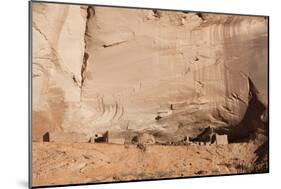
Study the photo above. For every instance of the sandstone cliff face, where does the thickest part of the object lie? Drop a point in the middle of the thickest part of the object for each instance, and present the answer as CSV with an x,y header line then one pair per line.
x,y
167,73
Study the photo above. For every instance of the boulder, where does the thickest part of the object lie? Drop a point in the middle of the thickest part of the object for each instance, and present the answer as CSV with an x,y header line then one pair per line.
x,y
143,138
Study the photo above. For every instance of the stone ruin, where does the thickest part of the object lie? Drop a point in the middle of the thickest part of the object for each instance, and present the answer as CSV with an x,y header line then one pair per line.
x,y
99,138
107,137
219,139
206,137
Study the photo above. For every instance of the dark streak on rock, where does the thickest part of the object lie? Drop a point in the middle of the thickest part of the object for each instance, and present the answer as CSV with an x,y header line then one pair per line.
x,y
113,44
201,16
90,14
156,14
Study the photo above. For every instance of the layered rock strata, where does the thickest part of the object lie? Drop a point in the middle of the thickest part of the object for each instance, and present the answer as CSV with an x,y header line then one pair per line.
x,y
170,74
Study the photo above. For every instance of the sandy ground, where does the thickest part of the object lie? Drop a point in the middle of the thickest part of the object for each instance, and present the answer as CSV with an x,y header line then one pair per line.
x,y
58,163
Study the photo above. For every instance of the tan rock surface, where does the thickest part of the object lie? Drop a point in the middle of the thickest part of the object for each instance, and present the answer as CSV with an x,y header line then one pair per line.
x,y
97,68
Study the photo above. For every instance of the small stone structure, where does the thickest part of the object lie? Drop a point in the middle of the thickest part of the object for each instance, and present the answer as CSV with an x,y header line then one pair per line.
x,y
65,137
219,139
205,136
108,137
100,138
209,136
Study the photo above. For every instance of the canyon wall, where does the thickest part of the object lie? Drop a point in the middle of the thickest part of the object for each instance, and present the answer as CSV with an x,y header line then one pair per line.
x,y
168,73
